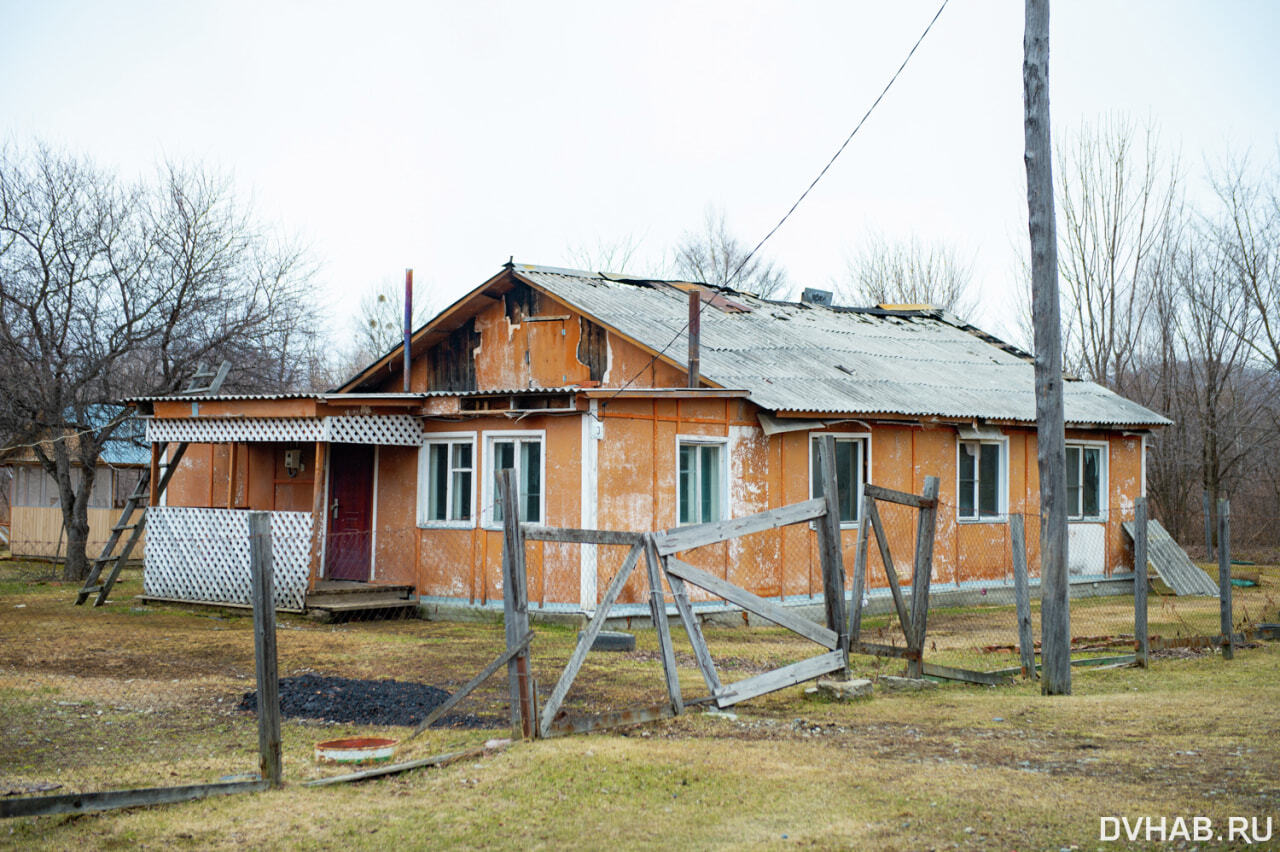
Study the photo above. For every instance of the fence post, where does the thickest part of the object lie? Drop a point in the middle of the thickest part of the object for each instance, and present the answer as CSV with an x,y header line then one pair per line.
x,y
1224,576
515,607
922,572
264,648
1022,597
859,573
1141,635
829,547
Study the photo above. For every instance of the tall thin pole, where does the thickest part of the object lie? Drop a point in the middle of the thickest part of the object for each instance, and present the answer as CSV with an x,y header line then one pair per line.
x,y
1055,617
408,324
695,337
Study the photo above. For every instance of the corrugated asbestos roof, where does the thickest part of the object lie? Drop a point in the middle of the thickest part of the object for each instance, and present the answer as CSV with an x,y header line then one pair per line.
x,y
800,357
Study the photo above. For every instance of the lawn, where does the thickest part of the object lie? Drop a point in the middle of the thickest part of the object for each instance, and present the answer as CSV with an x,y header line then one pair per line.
x,y
127,695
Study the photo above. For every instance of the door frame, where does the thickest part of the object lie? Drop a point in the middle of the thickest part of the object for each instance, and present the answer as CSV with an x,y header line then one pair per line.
x,y
373,514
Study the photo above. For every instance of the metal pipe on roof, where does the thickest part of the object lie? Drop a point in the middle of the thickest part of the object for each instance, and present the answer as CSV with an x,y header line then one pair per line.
x,y
408,323
695,334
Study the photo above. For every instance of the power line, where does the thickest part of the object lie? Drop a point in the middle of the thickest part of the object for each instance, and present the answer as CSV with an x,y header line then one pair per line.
x,y
802,197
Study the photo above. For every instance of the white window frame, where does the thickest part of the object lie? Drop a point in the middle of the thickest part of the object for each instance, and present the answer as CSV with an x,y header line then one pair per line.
x,y
489,493
1104,467
1002,490
705,441
424,479
865,438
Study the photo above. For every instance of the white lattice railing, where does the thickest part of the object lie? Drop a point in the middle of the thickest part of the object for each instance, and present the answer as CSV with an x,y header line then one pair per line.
x,y
400,430
203,555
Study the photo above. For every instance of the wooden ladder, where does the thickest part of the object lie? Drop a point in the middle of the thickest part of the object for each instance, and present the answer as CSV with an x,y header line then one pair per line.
x,y
140,494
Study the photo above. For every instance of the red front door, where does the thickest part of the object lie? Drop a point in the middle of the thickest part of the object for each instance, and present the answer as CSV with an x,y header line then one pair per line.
x,y
347,548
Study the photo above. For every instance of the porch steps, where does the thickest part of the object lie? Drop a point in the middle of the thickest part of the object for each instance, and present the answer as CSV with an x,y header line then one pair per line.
x,y
347,599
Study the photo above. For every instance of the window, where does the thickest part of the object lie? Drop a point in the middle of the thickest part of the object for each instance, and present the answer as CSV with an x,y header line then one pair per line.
x,y
701,482
852,468
982,480
522,454
446,469
1085,463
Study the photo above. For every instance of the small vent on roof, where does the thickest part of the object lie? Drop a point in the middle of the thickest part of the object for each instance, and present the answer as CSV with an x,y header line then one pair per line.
x,y
812,296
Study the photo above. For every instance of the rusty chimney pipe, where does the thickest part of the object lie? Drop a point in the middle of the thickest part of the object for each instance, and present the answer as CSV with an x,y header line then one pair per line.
x,y
408,324
695,335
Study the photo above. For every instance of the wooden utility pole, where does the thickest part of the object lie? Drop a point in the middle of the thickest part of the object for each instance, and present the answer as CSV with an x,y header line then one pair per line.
x,y
1055,616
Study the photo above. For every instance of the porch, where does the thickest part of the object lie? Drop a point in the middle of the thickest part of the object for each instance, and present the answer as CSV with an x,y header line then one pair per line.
x,y
316,477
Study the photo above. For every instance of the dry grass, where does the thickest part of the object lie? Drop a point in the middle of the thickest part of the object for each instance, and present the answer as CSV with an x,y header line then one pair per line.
x,y
964,766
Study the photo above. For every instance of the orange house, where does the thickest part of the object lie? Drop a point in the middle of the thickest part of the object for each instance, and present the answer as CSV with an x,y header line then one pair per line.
x,y
578,383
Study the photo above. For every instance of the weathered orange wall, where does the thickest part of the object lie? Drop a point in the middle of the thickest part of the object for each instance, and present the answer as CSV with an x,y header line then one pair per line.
x,y
261,481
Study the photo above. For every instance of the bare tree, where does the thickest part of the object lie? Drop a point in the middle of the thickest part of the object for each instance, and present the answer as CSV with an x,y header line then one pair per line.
x,y
378,326
1116,194
111,289
615,255
715,256
911,271
1248,233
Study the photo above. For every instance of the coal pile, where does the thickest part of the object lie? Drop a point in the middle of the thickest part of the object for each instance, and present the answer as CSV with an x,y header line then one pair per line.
x,y
366,702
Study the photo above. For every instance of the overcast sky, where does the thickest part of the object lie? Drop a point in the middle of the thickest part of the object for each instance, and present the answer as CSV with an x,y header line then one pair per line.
x,y
449,136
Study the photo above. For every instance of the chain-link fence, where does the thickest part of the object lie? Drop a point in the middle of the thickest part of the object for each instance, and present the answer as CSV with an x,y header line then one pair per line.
x,y
122,696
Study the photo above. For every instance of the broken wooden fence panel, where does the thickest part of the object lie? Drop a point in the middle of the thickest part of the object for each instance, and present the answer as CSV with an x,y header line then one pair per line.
x,y
780,678
700,535
700,651
589,635
658,611
922,570
904,620
753,603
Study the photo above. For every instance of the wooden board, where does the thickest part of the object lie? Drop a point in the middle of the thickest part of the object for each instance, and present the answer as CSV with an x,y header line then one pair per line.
x,y
700,535
753,603
535,532
79,803
776,679
900,497
1172,563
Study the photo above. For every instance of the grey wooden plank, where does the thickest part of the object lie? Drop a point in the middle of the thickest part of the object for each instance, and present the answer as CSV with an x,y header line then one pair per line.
x,y
508,499
395,768
904,620
1141,633
965,675
1171,562
694,630
658,612
922,570
264,646
859,576
72,803
588,637
829,551
618,719
878,650
1022,597
485,673
537,532
754,603
1224,576
700,535
780,678
903,498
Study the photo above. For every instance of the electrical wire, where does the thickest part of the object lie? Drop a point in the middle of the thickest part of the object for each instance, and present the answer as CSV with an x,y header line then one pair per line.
x,y
737,270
